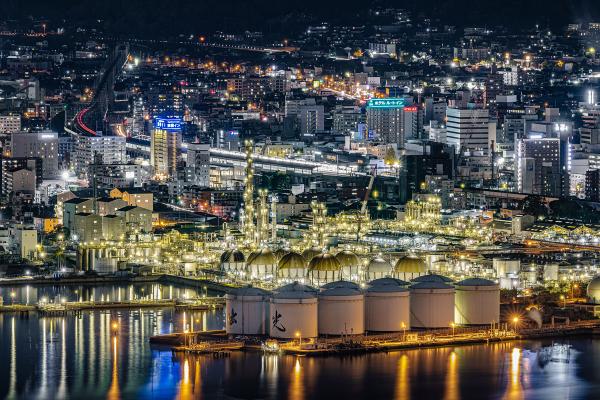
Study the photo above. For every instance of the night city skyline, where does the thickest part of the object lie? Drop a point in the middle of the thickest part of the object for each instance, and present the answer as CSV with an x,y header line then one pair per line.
x,y
299,200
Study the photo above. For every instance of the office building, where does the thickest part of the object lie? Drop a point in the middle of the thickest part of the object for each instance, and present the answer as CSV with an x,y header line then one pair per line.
x,y
467,128
42,145
165,147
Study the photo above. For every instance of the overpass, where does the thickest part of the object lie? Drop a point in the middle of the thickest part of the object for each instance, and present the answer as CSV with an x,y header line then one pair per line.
x,y
227,158
95,117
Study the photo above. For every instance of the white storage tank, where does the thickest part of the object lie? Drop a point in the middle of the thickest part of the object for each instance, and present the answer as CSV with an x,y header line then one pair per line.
x,y
341,311
292,267
477,302
233,262
431,305
262,265
432,278
246,311
409,267
351,267
506,266
551,272
324,268
387,306
293,312
378,268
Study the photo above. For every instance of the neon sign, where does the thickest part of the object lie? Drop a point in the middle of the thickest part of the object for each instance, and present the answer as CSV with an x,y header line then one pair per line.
x,y
386,103
168,124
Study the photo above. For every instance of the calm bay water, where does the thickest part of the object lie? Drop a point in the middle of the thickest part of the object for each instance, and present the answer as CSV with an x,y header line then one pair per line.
x,y
79,357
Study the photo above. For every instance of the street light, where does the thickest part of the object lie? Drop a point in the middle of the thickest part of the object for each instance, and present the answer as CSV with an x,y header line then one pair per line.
x,y
452,325
115,328
299,336
12,297
562,297
515,321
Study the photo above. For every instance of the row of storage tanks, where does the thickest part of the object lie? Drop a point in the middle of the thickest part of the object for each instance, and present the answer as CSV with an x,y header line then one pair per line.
x,y
316,267
343,308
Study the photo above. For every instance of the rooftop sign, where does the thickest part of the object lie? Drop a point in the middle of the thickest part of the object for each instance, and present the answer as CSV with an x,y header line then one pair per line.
x,y
386,103
168,124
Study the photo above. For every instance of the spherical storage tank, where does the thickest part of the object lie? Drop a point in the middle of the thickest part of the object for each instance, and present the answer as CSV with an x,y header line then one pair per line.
x,y
387,306
477,302
593,290
409,267
233,262
350,265
431,305
292,267
262,264
293,311
246,311
341,311
324,268
378,268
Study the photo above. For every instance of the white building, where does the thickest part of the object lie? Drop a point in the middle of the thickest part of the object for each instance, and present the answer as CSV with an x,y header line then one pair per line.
x,y
467,128
100,149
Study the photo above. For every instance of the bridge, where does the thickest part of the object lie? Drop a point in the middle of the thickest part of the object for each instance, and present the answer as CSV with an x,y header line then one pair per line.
x,y
95,117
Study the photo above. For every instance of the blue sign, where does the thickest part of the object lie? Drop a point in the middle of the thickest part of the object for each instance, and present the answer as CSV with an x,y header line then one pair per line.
x,y
168,124
386,103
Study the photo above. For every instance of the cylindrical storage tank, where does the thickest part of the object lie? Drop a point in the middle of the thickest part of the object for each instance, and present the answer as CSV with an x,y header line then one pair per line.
x,y
91,259
350,263
476,302
233,262
341,311
551,272
262,264
293,312
506,266
324,268
409,267
378,268
387,306
292,267
593,290
431,305
432,278
340,284
246,311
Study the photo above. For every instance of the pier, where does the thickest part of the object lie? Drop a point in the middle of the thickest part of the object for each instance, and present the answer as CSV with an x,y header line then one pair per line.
x,y
217,342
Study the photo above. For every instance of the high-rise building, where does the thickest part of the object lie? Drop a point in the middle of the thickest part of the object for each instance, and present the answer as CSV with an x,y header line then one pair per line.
x,y
90,149
385,119
165,150
539,166
43,145
467,128
198,164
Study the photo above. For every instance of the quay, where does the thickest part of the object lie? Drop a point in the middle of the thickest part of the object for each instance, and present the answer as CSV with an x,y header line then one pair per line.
x,y
67,307
218,342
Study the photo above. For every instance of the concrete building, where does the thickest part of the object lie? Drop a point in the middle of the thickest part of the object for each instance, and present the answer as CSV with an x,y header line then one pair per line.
x,y
467,128
97,149
109,206
134,197
385,119
73,207
165,151
42,145
10,123
24,241
198,164
539,166
136,218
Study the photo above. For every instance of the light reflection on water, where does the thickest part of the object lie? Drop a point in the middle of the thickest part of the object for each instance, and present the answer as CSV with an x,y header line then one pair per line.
x,y
81,357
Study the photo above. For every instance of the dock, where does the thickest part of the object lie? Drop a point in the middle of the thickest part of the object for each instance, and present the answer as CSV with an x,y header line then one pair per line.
x,y
16,308
207,303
